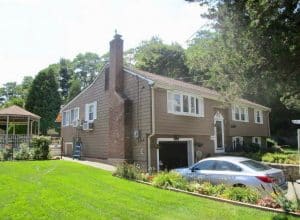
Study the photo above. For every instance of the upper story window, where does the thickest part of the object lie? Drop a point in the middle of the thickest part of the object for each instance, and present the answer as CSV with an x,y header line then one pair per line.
x,y
185,104
74,116
258,116
66,118
240,113
91,111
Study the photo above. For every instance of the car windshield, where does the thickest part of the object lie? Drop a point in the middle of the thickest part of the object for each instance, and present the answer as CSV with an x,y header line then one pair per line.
x,y
255,165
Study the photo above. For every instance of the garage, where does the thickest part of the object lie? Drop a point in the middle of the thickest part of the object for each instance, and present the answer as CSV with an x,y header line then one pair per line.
x,y
174,154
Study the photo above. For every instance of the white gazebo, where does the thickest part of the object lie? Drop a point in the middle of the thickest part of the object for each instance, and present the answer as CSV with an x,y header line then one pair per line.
x,y
15,115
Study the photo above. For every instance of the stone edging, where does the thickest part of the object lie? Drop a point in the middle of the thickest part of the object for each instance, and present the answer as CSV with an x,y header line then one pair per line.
x,y
226,200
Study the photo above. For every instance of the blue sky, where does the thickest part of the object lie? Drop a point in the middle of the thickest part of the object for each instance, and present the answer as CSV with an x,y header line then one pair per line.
x,y
36,33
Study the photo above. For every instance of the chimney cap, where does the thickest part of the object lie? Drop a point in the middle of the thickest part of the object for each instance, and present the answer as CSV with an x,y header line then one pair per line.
x,y
117,36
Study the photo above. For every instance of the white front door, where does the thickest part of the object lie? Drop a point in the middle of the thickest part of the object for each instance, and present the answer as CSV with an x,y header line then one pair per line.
x,y
219,133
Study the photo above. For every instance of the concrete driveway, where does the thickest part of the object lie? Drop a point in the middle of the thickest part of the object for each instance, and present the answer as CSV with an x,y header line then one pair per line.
x,y
293,191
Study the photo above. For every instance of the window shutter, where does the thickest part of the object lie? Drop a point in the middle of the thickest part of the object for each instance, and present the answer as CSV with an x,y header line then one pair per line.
x,y
201,106
261,117
246,114
95,109
86,113
233,112
170,99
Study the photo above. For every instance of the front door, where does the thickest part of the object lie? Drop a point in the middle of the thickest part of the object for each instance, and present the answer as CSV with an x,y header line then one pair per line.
x,y
219,133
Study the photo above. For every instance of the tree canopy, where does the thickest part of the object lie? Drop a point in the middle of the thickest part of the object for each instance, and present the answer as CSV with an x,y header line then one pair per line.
x,y
44,99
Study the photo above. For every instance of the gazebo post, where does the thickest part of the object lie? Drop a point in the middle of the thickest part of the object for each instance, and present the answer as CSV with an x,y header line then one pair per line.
x,y
28,127
39,127
7,121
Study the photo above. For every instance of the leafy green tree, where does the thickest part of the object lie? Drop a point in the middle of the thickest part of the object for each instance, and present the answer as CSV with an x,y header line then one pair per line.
x,y
65,73
26,84
75,89
263,37
157,57
15,101
44,99
86,67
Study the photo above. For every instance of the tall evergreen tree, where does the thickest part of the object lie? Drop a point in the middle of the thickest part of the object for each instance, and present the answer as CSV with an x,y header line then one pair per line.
x,y
65,74
44,99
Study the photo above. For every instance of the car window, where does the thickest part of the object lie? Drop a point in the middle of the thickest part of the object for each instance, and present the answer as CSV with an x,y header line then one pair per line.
x,y
205,165
254,165
224,165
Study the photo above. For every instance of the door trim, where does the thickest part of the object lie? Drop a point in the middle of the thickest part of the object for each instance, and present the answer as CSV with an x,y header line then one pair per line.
x,y
219,117
190,149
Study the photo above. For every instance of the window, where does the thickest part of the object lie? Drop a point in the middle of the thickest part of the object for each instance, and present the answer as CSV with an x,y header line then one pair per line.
x,y
74,116
205,165
258,116
226,166
240,113
66,118
256,140
91,111
237,142
257,166
185,104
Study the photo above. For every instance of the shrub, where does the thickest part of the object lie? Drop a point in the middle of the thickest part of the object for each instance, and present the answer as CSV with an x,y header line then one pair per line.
x,y
241,194
268,201
23,153
287,205
146,177
40,146
128,171
5,154
207,188
170,179
280,158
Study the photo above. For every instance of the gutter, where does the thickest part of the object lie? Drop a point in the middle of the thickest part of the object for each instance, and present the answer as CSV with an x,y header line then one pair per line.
x,y
153,129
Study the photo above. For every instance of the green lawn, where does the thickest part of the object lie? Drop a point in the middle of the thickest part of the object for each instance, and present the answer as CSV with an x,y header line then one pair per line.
x,y
66,190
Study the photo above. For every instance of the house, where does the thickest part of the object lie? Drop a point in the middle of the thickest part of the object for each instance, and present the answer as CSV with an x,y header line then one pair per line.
x,y
155,121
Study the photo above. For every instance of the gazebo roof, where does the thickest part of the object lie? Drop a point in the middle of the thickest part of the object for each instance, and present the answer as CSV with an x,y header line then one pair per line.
x,y
17,111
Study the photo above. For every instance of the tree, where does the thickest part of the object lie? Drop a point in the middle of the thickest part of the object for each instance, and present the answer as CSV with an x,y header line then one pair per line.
x,y
86,67
65,73
254,53
157,57
264,32
75,89
44,99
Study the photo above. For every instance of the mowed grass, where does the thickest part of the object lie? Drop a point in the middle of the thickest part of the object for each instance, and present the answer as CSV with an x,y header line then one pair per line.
x,y
67,190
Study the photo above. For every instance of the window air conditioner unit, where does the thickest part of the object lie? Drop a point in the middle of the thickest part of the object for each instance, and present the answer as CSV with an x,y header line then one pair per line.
x,y
87,126
75,124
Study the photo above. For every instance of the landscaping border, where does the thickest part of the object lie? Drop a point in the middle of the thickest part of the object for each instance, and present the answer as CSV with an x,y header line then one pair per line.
x,y
297,214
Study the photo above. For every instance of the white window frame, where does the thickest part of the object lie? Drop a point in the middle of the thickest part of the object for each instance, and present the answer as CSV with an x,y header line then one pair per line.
x,y
260,115
172,105
66,118
87,112
75,115
239,111
258,140
240,138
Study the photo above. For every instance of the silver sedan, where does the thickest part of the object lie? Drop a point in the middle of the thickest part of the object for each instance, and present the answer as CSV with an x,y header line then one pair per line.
x,y
235,171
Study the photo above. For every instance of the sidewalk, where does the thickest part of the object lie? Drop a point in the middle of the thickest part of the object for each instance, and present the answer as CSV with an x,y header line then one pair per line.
x,y
98,165
293,191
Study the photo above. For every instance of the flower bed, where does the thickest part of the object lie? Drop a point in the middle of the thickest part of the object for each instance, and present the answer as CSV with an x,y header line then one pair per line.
x,y
240,195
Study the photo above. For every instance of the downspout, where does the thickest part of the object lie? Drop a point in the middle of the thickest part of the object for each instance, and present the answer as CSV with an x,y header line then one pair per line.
x,y
153,128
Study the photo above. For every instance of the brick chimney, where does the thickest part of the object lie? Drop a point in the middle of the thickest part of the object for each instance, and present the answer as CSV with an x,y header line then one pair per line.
x,y
119,106
116,64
